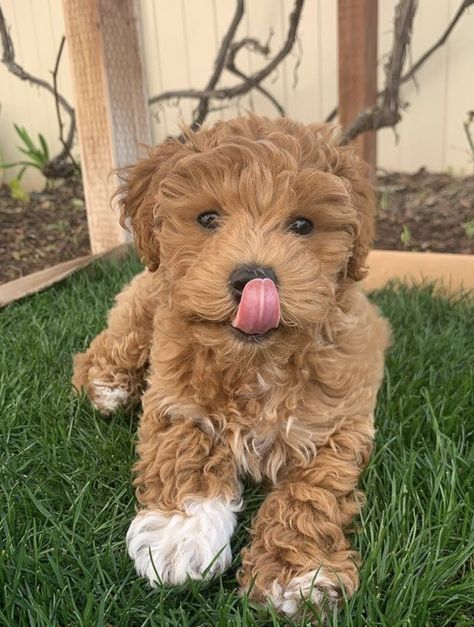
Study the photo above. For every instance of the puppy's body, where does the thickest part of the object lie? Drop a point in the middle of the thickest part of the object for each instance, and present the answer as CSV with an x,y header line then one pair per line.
x,y
292,406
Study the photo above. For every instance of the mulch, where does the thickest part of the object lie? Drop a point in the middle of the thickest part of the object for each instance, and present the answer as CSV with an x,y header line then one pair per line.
x,y
419,212
48,228
425,212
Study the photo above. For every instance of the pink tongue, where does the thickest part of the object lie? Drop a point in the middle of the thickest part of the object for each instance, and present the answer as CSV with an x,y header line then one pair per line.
x,y
259,309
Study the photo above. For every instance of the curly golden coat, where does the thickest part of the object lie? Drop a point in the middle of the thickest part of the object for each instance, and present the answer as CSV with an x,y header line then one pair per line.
x,y
293,408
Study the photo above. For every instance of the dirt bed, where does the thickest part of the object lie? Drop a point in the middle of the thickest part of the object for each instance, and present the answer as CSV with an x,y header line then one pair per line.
x,y
425,212
49,228
422,212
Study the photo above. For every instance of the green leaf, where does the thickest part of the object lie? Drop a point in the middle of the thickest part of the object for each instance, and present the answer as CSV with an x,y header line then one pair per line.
x,y
44,146
406,235
22,132
469,228
17,163
4,166
28,153
34,156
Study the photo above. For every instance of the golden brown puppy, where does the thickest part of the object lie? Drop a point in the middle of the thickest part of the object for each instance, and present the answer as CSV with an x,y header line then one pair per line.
x,y
261,355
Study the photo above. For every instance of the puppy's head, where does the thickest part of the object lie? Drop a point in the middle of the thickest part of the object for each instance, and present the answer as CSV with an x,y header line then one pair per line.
x,y
257,226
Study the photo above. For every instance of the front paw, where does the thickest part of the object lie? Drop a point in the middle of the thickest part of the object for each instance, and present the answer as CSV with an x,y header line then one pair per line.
x,y
268,579
315,586
168,548
107,398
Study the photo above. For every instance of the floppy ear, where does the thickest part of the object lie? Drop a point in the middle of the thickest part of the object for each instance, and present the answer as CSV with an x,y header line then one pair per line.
x,y
364,203
137,199
326,151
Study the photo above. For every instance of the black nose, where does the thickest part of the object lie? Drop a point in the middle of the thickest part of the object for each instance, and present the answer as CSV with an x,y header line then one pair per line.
x,y
243,274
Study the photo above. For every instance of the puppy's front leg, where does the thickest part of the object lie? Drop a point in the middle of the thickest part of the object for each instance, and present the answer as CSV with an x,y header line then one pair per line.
x,y
188,488
299,549
112,370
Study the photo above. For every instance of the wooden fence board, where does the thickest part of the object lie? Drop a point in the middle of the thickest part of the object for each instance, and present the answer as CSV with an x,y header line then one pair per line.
x,y
357,44
111,108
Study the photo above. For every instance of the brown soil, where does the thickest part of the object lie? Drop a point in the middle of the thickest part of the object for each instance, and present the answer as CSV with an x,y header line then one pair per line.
x,y
422,211
51,227
425,212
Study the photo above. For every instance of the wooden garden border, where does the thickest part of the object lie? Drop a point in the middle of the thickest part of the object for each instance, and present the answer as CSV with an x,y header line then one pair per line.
x,y
453,272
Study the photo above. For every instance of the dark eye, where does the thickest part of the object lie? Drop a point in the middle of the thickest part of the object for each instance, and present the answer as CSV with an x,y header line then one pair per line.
x,y
209,220
301,226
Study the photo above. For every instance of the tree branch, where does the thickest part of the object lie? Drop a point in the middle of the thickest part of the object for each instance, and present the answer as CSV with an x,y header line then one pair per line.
x,y
219,65
255,46
210,92
386,111
8,59
440,42
57,166
424,57
467,129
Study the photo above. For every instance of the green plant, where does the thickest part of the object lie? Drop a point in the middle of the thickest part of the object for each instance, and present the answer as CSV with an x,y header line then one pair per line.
x,y
405,235
469,228
37,155
384,200
16,190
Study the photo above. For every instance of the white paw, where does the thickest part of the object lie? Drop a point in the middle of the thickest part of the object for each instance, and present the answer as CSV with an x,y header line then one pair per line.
x,y
314,585
169,548
106,398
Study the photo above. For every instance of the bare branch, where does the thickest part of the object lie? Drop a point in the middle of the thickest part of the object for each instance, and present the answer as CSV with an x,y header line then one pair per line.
x,y
55,87
255,46
262,90
248,82
386,111
296,67
333,114
58,162
8,58
404,16
467,129
56,167
203,107
424,57
440,42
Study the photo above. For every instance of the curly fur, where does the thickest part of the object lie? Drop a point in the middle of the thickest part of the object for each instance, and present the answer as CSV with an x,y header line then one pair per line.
x,y
295,409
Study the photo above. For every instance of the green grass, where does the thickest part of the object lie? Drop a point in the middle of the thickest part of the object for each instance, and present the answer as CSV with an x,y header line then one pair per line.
x,y
66,498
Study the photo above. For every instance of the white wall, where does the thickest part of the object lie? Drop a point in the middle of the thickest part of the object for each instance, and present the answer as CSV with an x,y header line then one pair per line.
x,y
180,39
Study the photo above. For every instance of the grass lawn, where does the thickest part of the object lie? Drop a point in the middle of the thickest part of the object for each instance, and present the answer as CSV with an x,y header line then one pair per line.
x,y
66,497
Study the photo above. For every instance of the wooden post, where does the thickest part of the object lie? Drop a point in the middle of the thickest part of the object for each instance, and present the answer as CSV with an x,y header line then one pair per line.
x,y
357,44
110,103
